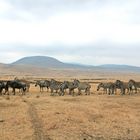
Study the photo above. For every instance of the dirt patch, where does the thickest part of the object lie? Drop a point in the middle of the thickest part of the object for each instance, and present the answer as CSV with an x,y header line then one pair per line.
x,y
86,136
36,123
71,100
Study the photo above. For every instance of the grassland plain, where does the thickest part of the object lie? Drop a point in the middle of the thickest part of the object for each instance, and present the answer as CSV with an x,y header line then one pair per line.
x,y
39,116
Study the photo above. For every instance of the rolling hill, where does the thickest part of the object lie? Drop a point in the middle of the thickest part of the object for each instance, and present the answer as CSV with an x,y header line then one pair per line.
x,y
45,62
50,62
39,61
115,67
43,65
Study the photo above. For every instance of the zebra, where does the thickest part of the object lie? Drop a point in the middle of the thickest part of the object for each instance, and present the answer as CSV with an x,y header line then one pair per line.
x,y
102,85
134,84
42,84
55,85
68,85
47,84
63,88
110,87
82,86
122,86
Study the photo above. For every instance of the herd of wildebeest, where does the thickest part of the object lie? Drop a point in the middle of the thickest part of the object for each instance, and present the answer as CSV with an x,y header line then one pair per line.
x,y
60,88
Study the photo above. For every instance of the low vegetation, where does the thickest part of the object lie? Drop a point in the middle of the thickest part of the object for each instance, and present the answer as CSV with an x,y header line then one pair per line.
x,y
98,116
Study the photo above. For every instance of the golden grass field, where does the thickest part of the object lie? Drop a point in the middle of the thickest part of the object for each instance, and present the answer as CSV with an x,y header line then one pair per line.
x,y
39,116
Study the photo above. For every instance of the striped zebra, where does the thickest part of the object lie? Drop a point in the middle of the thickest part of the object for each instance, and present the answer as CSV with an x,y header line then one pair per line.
x,y
108,88
134,84
123,86
55,85
63,88
42,84
69,85
82,86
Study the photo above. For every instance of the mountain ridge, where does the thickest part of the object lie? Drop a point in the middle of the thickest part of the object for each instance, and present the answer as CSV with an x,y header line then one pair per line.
x,y
44,61
39,65
50,62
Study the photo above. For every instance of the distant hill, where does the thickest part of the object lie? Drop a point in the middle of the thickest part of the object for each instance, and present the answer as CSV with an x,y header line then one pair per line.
x,y
50,62
115,67
41,65
45,62
40,61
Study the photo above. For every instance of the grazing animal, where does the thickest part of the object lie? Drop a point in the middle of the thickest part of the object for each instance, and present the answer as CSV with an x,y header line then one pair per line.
x,y
123,86
47,84
2,86
24,81
16,85
63,88
82,86
108,88
134,84
102,85
55,85
68,85
42,84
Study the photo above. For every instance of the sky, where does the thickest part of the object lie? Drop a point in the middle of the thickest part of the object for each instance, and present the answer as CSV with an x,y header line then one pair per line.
x,y
91,32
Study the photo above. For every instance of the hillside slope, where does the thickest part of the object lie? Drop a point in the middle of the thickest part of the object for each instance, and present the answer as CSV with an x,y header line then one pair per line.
x,y
45,61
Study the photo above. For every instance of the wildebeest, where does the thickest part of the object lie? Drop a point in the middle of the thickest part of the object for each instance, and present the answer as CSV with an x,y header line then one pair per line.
x,y
24,81
42,84
108,88
82,86
123,86
15,85
2,86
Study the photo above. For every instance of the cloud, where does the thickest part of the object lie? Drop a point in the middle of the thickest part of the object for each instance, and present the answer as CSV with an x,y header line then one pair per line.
x,y
87,22
84,31
100,53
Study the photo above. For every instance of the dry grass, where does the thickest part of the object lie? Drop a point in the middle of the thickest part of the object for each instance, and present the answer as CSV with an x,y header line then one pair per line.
x,y
38,116
70,118
17,125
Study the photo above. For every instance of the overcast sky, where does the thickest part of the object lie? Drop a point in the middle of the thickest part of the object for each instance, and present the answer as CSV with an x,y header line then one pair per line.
x,y
82,31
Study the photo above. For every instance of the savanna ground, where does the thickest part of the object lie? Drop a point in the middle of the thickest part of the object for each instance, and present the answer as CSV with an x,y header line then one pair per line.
x,y
39,116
